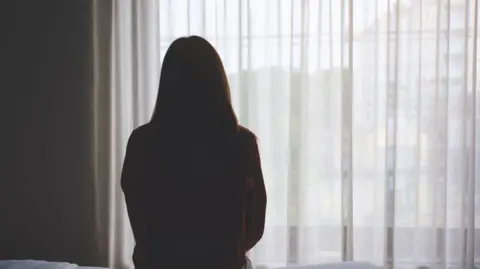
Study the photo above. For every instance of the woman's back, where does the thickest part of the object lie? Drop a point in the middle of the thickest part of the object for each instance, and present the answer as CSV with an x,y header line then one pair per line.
x,y
186,197
187,174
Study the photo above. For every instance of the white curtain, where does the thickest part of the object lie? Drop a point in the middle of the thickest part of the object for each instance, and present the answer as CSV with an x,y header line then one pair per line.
x,y
365,112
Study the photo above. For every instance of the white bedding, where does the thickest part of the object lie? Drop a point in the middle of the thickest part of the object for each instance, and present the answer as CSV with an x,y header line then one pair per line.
x,y
340,265
31,264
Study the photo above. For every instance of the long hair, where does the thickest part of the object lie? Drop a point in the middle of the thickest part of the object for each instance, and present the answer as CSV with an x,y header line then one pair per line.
x,y
193,94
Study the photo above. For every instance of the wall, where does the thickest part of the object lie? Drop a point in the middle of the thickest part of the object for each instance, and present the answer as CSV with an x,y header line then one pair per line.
x,y
46,205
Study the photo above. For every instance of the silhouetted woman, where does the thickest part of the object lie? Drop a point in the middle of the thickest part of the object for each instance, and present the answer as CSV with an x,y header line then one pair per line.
x,y
192,177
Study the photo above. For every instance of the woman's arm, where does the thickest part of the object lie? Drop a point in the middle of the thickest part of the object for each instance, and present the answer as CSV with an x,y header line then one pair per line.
x,y
255,215
130,187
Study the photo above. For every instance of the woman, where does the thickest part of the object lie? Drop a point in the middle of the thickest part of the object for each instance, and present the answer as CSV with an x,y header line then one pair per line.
x,y
192,177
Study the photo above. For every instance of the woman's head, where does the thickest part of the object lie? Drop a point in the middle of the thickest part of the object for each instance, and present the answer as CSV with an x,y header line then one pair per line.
x,y
193,90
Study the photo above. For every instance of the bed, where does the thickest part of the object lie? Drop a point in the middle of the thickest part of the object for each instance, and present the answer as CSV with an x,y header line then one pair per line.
x,y
31,264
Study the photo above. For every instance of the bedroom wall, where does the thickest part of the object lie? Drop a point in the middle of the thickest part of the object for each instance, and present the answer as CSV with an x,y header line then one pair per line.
x,y
46,201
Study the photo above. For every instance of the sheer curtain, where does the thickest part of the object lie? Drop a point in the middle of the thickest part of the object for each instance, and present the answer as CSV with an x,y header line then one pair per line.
x,y
365,112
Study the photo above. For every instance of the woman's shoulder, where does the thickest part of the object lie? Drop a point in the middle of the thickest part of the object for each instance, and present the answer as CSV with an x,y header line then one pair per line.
x,y
247,136
142,129
245,132
139,134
